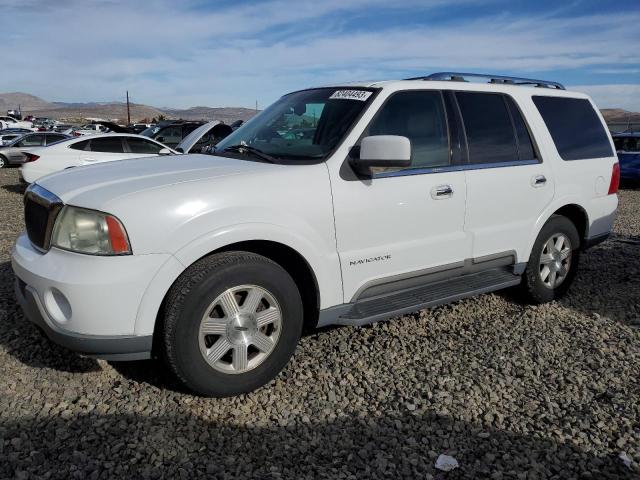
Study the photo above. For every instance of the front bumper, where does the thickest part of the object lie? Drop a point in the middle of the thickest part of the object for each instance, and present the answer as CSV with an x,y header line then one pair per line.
x,y
86,303
110,348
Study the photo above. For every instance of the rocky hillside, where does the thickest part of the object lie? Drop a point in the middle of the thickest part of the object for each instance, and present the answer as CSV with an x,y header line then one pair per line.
x,y
32,105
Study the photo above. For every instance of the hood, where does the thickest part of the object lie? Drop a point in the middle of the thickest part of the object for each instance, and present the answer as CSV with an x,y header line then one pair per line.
x,y
93,185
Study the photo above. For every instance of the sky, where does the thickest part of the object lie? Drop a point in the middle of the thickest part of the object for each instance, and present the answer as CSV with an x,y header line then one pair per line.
x,y
185,53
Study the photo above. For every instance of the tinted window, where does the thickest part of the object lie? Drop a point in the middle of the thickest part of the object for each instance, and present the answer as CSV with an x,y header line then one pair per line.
x,y
420,117
80,145
30,141
107,145
525,146
140,145
575,127
169,135
54,138
490,133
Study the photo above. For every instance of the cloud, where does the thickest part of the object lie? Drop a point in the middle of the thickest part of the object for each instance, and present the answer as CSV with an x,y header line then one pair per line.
x,y
170,53
613,96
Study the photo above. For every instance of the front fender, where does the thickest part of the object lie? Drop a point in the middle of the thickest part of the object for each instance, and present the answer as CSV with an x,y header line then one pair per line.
x,y
324,263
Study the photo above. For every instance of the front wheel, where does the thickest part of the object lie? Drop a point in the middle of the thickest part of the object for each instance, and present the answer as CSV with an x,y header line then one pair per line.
x,y
232,322
553,262
3,162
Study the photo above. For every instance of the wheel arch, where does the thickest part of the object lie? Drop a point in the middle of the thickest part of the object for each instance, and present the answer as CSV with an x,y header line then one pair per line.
x,y
578,216
570,209
294,263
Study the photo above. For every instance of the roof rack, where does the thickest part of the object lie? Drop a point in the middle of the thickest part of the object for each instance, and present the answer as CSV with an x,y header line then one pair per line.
x,y
461,77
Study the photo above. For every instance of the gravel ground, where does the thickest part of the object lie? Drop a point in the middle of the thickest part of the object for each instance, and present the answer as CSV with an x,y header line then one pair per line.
x,y
510,391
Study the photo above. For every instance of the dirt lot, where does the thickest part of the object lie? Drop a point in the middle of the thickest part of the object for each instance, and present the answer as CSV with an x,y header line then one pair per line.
x,y
510,391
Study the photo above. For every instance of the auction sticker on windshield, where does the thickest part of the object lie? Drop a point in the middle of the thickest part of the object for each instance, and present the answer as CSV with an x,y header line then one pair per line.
x,y
361,95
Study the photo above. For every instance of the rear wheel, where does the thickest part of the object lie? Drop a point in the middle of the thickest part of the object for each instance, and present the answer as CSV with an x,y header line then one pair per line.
x,y
232,322
553,262
3,162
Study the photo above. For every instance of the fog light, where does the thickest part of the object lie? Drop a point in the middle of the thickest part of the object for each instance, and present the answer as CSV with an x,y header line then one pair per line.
x,y
57,305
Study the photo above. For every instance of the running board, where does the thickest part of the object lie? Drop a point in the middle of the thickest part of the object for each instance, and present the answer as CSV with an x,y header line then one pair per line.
x,y
437,293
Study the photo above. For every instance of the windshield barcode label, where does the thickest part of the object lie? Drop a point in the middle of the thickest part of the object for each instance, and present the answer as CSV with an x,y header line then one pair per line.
x,y
361,95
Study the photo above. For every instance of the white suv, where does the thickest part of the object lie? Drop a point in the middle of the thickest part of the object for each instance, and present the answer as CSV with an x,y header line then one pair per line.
x,y
336,205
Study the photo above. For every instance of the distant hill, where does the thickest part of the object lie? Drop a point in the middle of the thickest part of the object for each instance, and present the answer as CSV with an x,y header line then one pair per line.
x,y
618,115
78,112
225,114
26,101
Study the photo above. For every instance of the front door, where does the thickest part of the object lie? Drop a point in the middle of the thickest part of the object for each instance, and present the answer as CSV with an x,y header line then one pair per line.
x,y
398,226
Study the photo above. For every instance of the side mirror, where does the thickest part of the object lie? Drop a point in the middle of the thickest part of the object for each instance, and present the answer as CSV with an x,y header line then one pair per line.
x,y
164,151
381,151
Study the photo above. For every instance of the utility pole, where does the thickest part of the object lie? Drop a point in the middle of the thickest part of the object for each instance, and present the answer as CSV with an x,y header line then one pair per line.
x,y
256,106
128,110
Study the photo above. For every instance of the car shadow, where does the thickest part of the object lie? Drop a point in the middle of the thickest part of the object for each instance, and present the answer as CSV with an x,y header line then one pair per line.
x,y
26,343
612,267
187,445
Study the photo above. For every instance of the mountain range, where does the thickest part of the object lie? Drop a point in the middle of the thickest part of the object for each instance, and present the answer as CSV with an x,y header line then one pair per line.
x,y
78,112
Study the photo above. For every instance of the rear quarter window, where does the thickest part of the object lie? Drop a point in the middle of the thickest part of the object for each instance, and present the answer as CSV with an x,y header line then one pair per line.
x,y
575,127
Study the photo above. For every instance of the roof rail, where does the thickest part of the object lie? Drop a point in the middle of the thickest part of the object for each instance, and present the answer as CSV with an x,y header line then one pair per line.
x,y
461,77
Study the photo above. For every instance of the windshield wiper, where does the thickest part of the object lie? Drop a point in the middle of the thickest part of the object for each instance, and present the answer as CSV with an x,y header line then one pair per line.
x,y
240,148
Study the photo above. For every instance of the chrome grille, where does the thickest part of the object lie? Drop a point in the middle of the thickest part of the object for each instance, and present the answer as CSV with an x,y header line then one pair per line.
x,y
40,210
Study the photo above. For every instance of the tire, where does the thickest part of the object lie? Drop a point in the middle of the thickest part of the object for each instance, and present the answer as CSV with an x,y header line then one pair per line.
x,y
198,326
3,162
539,285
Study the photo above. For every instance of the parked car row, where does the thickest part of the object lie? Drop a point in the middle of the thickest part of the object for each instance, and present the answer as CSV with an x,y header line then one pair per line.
x,y
44,153
16,152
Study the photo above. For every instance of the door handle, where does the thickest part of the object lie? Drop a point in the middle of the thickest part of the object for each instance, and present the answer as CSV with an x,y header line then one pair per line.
x,y
441,192
538,180
89,159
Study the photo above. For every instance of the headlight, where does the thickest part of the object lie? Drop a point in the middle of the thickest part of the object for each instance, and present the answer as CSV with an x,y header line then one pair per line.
x,y
89,231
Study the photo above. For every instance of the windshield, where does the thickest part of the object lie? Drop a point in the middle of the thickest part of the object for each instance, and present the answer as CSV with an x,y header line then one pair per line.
x,y
304,125
151,131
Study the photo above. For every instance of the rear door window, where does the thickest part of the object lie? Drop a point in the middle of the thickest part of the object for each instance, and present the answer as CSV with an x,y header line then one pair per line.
x,y
490,132
54,138
107,145
525,145
575,127
80,145
31,141
140,145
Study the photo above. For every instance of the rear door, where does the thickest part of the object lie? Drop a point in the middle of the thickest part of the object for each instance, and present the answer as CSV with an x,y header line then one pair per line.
x,y
508,186
103,149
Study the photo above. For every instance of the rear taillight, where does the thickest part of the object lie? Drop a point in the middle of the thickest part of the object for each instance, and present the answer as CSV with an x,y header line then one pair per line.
x,y
615,179
30,157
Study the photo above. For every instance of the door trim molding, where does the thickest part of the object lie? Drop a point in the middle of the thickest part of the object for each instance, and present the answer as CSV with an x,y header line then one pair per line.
x,y
386,285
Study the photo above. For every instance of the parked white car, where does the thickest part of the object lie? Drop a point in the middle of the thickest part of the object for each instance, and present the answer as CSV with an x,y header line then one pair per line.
x,y
80,151
336,205
10,122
